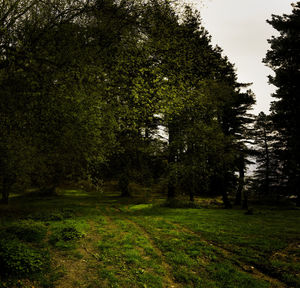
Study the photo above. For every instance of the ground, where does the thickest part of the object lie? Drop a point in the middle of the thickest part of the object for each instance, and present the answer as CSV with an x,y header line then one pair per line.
x,y
102,240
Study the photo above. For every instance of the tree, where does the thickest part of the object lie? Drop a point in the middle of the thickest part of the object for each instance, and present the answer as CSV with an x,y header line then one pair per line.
x,y
264,140
51,95
205,105
95,79
284,59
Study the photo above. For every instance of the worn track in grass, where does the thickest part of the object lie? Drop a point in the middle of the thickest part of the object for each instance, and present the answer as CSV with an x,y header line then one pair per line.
x,y
227,254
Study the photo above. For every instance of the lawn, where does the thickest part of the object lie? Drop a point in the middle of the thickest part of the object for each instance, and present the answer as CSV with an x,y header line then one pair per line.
x,y
89,240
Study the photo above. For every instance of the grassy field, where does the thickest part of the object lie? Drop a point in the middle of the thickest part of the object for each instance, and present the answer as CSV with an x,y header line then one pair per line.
x,y
81,239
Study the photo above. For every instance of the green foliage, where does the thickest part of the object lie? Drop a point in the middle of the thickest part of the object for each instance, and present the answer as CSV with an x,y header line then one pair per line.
x,y
179,203
20,260
64,236
29,231
95,86
54,215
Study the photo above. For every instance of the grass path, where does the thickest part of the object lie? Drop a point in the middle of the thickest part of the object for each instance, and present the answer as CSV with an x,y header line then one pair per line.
x,y
168,280
77,266
168,274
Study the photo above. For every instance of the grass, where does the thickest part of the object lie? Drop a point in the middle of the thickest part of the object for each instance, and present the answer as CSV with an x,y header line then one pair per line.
x,y
85,239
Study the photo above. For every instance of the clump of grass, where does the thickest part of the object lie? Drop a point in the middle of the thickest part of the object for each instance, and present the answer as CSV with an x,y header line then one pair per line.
x,y
20,260
65,236
27,230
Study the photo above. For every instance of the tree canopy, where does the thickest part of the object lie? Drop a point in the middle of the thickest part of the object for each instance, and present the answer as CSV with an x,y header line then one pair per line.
x,y
119,88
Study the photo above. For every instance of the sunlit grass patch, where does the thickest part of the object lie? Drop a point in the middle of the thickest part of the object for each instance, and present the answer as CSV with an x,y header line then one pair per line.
x,y
73,192
140,207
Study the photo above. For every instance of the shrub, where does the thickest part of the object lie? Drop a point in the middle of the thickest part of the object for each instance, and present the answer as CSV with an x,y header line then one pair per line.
x,y
19,260
56,215
62,235
177,203
28,231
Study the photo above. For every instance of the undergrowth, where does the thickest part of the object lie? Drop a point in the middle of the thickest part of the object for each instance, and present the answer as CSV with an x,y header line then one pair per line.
x,y
21,260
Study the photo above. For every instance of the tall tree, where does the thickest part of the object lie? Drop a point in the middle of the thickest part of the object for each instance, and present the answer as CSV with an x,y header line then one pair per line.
x,y
284,59
203,96
50,94
267,171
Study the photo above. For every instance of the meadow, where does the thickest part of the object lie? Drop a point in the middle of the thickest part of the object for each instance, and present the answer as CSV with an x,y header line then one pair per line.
x,y
88,239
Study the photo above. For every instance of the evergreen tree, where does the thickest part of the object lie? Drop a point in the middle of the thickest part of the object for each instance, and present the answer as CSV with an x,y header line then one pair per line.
x,y
206,110
268,173
284,59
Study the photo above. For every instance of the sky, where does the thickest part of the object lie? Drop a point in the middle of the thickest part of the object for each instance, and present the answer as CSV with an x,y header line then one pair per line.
x,y
239,27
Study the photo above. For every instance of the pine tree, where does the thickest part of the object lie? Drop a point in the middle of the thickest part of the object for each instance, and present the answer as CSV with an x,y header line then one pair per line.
x,y
284,59
268,175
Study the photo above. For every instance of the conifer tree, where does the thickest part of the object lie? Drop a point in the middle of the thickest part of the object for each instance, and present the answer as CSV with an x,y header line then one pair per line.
x,y
284,59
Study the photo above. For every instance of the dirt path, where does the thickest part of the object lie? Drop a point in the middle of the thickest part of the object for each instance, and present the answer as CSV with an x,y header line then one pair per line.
x,y
168,279
80,268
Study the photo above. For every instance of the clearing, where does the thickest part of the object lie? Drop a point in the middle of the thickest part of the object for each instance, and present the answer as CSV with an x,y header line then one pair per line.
x,y
101,240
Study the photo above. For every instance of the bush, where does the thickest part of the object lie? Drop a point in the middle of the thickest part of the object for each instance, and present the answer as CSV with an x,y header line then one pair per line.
x,y
91,184
56,215
28,231
62,235
177,203
19,260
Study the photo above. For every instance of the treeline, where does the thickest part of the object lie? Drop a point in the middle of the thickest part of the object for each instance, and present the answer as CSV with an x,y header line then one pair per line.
x,y
278,135
129,90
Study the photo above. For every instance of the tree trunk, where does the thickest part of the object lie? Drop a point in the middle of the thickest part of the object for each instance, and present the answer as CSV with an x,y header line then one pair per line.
x,y
192,195
171,190
298,192
267,172
123,185
191,151
5,195
225,199
49,190
171,160
245,200
223,187
6,187
238,197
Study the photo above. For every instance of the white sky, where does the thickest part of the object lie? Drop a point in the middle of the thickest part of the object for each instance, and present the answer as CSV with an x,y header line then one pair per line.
x,y
239,27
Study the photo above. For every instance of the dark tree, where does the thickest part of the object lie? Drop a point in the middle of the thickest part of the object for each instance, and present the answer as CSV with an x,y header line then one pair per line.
x,y
268,170
284,59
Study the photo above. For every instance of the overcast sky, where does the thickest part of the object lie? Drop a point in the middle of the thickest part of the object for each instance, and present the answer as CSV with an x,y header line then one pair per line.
x,y
239,27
